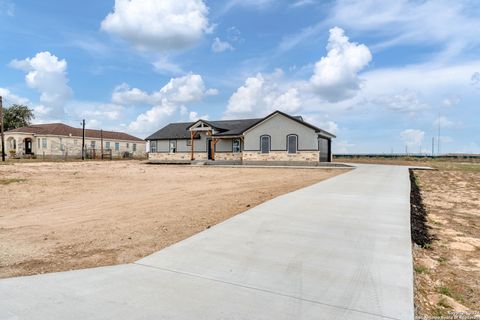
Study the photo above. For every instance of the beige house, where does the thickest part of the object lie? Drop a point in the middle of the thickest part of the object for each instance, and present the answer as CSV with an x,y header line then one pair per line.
x,y
275,139
60,140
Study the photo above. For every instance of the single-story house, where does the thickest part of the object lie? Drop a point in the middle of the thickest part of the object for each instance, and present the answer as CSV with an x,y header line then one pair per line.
x,y
277,138
58,139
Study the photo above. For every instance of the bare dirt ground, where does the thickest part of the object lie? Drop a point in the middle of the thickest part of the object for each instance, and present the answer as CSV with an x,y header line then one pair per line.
x,y
447,270
60,216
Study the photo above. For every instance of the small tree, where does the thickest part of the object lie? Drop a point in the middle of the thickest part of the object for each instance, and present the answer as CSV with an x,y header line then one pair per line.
x,y
17,116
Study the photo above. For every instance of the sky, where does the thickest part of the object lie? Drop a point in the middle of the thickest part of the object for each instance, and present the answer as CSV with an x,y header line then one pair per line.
x,y
383,76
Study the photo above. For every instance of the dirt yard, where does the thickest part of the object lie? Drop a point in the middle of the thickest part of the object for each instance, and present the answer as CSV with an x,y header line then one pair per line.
x,y
447,270
62,216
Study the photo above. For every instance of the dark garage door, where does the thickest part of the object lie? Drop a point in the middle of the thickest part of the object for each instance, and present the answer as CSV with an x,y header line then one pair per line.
x,y
324,147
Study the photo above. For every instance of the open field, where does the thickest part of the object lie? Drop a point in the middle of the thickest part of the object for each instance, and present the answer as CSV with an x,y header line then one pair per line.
x,y
447,271
59,216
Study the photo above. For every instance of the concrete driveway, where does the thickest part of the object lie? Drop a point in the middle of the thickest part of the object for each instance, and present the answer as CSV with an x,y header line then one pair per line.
x,y
339,249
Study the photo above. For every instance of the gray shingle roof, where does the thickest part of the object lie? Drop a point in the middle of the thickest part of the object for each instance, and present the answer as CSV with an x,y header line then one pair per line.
x,y
180,130
225,128
61,129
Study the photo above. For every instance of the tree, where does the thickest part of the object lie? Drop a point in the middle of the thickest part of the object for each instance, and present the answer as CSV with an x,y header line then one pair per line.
x,y
17,116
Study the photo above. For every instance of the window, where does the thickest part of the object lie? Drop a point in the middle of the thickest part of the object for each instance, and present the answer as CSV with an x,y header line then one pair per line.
x,y
92,144
134,147
44,143
153,146
13,144
236,145
62,146
107,145
173,146
75,141
189,142
265,144
128,145
292,143
117,146
38,140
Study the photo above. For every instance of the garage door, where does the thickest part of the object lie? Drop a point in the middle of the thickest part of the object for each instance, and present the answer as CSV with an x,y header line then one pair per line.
x,y
324,147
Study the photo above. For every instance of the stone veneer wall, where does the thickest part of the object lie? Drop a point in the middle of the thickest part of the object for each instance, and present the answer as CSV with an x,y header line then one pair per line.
x,y
308,156
228,156
245,156
178,156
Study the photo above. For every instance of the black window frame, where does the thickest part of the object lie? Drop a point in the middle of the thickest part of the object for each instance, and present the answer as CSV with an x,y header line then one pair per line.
x,y
170,146
153,146
239,145
288,143
269,143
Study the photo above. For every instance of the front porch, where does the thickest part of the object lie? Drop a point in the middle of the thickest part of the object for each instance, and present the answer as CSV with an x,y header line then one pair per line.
x,y
19,146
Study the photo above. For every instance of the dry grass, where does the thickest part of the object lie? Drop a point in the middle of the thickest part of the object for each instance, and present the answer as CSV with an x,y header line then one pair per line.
x,y
447,271
77,215
11,180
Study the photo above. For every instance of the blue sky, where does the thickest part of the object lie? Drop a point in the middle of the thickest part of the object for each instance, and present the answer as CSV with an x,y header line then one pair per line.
x,y
380,75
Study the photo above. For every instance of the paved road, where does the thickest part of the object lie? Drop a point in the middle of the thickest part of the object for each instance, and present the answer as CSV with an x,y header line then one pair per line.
x,y
339,249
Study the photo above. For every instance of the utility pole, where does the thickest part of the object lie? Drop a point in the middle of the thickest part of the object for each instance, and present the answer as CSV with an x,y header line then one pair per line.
x,y
1,129
83,139
438,140
101,141
433,146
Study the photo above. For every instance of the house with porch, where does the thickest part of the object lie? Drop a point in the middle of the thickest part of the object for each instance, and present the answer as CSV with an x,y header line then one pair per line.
x,y
61,140
278,138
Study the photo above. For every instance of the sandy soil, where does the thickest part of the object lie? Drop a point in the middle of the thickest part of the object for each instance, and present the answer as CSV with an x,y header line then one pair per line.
x,y
62,216
447,271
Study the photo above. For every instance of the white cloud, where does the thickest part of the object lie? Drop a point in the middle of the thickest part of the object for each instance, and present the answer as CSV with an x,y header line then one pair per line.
x,y
48,75
107,111
252,4
7,7
329,126
450,102
41,110
194,116
412,137
10,98
154,118
221,46
178,90
342,146
407,101
166,103
163,65
475,79
444,122
125,95
335,76
301,3
261,95
449,24
158,25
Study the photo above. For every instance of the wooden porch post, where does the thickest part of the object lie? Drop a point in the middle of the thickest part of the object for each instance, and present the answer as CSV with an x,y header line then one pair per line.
x,y
192,134
214,142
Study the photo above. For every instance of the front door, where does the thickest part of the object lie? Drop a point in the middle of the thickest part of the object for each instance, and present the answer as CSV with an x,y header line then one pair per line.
x,y
28,146
209,149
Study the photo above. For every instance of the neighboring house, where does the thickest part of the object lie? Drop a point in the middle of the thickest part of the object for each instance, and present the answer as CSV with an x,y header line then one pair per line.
x,y
58,139
278,138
